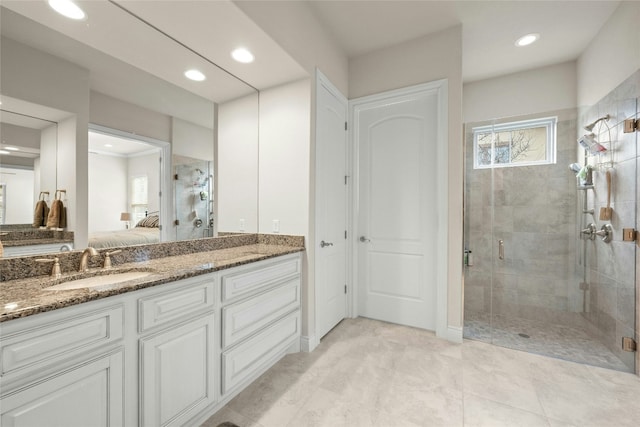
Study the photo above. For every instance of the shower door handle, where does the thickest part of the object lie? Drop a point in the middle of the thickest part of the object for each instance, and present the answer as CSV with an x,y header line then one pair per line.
x,y
501,249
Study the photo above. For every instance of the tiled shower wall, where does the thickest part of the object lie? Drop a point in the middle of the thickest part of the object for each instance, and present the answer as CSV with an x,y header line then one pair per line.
x,y
613,268
534,213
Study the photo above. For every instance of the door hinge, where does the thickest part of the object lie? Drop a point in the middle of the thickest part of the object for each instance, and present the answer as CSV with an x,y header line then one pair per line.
x,y
630,235
345,234
176,222
629,344
345,126
175,177
345,179
345,289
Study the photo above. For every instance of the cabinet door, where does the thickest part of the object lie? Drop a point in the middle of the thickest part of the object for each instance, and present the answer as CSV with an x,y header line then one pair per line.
x,y
88,395
177,377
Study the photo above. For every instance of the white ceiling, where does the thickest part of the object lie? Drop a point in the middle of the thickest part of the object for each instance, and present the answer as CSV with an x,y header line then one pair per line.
x,y
489,29
132,61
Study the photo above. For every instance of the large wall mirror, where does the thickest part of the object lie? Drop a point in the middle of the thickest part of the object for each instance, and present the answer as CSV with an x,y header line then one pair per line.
x,y
127,109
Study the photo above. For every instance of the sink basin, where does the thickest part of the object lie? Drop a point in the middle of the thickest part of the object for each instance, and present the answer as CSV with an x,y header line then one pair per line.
x,y
97,281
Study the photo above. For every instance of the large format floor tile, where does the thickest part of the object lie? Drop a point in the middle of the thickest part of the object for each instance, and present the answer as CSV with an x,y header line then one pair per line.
x,y
371,373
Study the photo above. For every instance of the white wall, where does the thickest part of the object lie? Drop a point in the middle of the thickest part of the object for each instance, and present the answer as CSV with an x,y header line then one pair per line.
x,y
116,114
108,196
437,56
612,56
48,161
40,78
285,120
236,165
19,192
533,91
293,25
191,140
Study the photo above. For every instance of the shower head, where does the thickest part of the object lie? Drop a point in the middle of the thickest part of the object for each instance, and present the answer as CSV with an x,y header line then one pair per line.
x,y
590,126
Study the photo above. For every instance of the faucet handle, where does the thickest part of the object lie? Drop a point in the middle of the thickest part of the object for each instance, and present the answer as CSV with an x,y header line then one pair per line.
x,y
56,272
107,258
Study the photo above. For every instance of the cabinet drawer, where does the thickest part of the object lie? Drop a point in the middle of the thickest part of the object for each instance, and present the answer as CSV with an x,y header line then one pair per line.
x,y
259,351
244,318
251,279
48,342
163,308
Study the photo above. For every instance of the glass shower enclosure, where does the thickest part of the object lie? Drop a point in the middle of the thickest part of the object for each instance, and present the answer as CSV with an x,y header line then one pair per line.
x,y
548,268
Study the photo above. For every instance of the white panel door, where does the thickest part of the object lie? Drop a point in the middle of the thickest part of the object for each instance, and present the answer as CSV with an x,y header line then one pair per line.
x,y
331,208
396,141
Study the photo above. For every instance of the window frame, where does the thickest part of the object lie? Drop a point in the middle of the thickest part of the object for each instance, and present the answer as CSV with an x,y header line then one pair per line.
x,y
550,125
138,209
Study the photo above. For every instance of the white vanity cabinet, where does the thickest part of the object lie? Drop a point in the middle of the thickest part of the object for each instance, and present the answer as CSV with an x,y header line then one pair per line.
x,y
177,352
63,368
168,355
260,318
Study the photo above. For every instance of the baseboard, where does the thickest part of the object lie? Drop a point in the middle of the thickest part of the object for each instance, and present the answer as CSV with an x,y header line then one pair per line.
x,y
454,334
308,344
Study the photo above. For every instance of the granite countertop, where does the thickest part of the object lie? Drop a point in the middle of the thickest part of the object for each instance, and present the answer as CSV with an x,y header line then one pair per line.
x,y
28,242
27,296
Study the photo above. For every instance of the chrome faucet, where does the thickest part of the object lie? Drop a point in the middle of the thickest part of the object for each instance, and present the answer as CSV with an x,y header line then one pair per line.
x,y
84,259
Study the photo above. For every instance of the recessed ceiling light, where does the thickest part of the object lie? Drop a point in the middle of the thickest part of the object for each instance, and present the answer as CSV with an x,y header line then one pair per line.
x,y
242,55
67,8
4,152
108,145
12,148
195,75
526,40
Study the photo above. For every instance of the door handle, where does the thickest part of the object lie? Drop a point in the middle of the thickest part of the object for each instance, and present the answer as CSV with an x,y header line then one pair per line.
x,y
323,244
501,249
364,239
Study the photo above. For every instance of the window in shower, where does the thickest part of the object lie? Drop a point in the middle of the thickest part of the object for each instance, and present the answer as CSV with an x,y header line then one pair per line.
x,y
521,143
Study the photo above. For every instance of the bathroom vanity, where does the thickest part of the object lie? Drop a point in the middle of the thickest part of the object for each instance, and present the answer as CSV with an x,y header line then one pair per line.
x,y
170,348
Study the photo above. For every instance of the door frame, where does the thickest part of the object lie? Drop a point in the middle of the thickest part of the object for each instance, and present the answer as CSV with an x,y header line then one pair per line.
x,y
313,340
440,162
166,200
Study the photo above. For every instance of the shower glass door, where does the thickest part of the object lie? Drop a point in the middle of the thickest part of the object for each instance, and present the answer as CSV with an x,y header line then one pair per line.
x,y
193,189
532,282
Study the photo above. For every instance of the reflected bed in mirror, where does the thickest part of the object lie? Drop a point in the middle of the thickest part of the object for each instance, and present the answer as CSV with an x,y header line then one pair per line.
x,y
124,194
145,231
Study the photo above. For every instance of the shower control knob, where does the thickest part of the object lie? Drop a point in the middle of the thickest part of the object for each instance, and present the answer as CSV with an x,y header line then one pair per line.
x,y
589,232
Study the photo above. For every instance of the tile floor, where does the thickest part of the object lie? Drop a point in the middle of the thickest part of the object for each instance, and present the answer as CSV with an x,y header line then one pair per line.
x,y
576,344
371,373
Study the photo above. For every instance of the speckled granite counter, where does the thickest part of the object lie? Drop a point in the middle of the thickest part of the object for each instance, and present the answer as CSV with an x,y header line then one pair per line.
x,y
22,237
29,242
21,297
